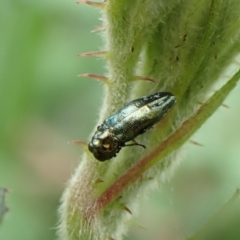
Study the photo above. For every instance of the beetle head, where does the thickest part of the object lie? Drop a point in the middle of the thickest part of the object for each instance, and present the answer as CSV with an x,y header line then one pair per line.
x,y
103,145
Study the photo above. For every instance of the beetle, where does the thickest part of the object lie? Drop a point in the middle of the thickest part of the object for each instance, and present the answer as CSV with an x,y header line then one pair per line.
x,y
130,121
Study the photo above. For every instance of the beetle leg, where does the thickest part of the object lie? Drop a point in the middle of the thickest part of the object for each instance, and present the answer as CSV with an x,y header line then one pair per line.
x,y
135,143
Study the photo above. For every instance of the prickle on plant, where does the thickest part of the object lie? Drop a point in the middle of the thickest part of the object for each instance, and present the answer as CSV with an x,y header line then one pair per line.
x,y
3,207
184,47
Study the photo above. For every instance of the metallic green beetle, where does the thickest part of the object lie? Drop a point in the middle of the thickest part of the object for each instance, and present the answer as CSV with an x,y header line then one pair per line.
x,y
130,121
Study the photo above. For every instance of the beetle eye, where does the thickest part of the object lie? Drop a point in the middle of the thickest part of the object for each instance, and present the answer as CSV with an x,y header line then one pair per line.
x,y
90,147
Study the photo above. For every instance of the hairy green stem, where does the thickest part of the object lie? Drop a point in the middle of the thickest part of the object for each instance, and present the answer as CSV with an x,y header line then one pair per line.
x,y
186,47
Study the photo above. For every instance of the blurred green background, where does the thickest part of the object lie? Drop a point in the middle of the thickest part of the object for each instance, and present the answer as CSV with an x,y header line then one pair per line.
x,y
43,105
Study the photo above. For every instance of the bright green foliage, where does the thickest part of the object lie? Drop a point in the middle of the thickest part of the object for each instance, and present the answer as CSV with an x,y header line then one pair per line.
x,y
186,47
